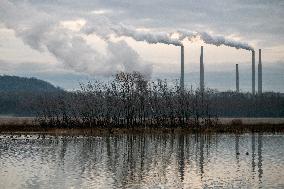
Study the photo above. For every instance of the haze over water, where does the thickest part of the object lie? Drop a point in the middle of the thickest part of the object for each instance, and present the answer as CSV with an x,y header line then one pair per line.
x,y
143,161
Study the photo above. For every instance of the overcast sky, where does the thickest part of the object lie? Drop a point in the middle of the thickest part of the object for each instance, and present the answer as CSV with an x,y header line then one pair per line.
x,y
50,39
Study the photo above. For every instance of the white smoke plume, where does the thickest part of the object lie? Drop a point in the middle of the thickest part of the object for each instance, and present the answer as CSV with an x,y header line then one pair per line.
x,y
122,53
152,37
43,32
213,40
147,36
185,34
220,40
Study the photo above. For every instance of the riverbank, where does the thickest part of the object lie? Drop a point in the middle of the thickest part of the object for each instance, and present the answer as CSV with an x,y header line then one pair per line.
x,y
28,125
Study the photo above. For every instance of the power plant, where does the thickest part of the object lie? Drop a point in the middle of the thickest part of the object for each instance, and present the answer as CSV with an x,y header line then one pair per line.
x,y
201,70
182,68
237,79
259,73
202,75
253,72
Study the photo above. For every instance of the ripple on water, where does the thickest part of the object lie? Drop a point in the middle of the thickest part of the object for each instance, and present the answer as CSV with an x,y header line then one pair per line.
x,y
142,161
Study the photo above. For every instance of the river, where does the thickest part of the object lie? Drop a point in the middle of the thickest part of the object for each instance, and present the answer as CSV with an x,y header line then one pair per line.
x,y
251,160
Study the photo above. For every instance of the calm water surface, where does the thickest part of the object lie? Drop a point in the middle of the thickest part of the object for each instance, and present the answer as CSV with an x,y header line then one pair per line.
x,y
143,161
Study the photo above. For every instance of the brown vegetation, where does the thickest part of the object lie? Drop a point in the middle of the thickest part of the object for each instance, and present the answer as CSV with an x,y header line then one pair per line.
x,y
133,103
128,101
27,126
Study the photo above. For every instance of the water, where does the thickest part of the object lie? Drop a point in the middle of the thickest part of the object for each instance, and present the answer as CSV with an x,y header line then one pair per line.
x,y
143,161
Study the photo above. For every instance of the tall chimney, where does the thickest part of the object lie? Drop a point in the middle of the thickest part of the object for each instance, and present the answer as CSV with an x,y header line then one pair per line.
x,y
237,79
182,69
201,70
259,73
253,72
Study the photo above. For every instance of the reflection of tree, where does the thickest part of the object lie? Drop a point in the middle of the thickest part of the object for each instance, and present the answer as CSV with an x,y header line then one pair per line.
x,y
259,153
63,150
201,141
201,156
142,155
237,148
181,156
253,153
130,161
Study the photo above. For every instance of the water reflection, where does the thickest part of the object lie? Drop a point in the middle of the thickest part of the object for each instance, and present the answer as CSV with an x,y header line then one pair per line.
x,y
253,154
259,153
237,148
142,161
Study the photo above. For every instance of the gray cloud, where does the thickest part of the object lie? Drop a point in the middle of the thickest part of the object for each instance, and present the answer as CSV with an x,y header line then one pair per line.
x,y
41,31
36,22
259,21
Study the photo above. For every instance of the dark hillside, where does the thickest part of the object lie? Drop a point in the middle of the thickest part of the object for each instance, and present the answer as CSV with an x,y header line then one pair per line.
x,y
23,84
18,95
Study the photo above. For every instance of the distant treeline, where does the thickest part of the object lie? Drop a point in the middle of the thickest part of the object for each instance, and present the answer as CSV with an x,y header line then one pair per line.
x,y
132,100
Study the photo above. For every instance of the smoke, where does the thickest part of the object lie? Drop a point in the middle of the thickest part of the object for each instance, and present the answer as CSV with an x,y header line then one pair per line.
x,y
44,32
220,40
147,36
154,37
128,58
99,25
213,40
183,34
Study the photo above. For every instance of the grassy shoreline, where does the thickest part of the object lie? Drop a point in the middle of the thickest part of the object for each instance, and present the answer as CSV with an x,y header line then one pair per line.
x,y
27,125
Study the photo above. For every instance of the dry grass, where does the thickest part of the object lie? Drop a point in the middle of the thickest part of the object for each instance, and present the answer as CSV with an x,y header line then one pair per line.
x,y
231,125
10,120
252,121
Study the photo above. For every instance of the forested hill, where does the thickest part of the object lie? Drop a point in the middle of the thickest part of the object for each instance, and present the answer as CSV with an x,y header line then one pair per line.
x,y
19,95
23,84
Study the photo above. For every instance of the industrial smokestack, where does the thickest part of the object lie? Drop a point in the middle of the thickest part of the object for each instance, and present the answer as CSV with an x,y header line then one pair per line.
x,y
237,79
182,69
253,72
259,73
201,70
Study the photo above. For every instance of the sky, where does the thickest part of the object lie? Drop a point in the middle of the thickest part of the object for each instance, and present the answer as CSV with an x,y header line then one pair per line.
x,y
68,41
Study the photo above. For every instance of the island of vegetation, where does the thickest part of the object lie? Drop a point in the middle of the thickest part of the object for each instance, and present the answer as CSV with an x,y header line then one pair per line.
x,y
131,103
